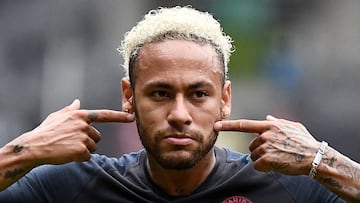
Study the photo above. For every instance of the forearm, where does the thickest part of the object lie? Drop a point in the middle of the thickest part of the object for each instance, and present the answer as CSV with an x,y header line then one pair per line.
x,y
14,163
340,174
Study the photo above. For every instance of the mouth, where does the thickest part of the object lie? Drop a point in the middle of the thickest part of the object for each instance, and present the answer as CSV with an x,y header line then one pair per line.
x,y
179,139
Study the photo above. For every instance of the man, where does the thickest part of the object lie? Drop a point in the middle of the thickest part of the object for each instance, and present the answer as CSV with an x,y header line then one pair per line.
x,y
178,91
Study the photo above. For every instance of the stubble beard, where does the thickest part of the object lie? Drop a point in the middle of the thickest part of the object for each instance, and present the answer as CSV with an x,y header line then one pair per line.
x,y
176,159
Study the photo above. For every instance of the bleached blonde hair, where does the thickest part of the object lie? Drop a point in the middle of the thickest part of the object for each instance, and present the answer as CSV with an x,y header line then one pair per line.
x,y
176,23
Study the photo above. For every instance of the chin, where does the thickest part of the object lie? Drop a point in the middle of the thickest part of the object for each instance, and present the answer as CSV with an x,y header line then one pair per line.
x,y
179,160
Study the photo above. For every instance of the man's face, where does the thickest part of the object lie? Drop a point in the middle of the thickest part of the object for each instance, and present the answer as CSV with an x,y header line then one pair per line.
x,y
177,99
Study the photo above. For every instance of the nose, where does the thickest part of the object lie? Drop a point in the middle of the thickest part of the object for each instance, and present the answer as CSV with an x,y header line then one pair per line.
x,y
179,114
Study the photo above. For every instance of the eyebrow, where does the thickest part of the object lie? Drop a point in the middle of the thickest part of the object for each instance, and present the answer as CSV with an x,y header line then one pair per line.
x,y
200,84
167,85
159,85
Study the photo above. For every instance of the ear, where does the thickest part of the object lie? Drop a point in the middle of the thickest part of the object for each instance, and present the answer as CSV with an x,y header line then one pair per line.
x,y
226,100
127,96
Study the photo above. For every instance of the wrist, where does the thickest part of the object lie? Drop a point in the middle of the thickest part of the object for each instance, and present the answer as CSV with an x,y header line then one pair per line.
x,y
18,150
317,159
15,162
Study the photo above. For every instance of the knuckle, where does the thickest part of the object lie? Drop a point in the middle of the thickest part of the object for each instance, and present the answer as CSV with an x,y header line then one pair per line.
x,y
241,124
262,138
259,165
267,159
84,156
76,114
299,125
82,152
275,125
262,149
83,126
83,138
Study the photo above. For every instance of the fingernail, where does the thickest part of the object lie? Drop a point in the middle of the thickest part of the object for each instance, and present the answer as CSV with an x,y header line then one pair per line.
x,y
270,117
130,117
75,104
217,126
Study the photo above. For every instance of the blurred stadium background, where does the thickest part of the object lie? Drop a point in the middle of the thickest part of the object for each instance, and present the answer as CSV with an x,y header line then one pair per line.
x,y
298,60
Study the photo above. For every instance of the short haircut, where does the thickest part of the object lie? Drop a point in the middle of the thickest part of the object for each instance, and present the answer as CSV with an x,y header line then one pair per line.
x,y
175,23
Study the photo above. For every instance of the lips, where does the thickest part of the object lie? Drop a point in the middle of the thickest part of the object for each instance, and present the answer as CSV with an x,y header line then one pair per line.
x,y
179,139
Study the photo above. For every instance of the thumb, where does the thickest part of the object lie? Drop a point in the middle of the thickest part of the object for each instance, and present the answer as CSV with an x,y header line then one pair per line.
x,y
75,105
270,118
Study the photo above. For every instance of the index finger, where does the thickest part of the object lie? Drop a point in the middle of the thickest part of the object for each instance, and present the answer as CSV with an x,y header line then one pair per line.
x,y
105,115
243,125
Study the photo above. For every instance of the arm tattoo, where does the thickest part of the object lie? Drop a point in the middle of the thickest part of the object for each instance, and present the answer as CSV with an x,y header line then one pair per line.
x,y
332,183
344,170
353,173
12,174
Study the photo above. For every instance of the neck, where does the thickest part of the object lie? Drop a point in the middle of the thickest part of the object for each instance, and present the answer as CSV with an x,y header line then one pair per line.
x,y
183,181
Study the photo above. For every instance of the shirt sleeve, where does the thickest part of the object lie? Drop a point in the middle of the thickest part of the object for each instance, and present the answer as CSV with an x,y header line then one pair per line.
x,y
50,183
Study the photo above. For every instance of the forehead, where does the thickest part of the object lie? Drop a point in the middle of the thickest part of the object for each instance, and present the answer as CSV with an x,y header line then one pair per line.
x,y
178,59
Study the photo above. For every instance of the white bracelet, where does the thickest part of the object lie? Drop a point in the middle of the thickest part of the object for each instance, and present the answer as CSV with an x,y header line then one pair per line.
x,y
317,159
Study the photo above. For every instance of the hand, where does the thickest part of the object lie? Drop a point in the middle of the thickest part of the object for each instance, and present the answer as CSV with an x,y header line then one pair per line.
x,y
66,135
280,145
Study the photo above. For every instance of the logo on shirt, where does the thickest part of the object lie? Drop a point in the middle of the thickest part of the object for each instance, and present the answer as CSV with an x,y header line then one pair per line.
x,y
237,199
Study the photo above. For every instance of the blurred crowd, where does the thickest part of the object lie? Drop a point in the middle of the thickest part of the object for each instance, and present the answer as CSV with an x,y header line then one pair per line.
x,y
297,60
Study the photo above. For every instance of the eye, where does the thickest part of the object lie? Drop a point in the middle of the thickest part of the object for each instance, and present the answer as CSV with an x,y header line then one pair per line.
x,y
160,94
200,94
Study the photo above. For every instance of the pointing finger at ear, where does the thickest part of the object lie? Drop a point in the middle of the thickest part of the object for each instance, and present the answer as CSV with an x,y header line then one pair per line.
x,y
242,125
108,116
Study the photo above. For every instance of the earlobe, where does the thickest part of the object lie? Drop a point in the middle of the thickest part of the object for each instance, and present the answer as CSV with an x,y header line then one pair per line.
x,y
224,115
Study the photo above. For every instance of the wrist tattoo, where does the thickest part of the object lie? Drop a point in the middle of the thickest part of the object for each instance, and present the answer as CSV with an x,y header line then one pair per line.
x,y
17,148
330,158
